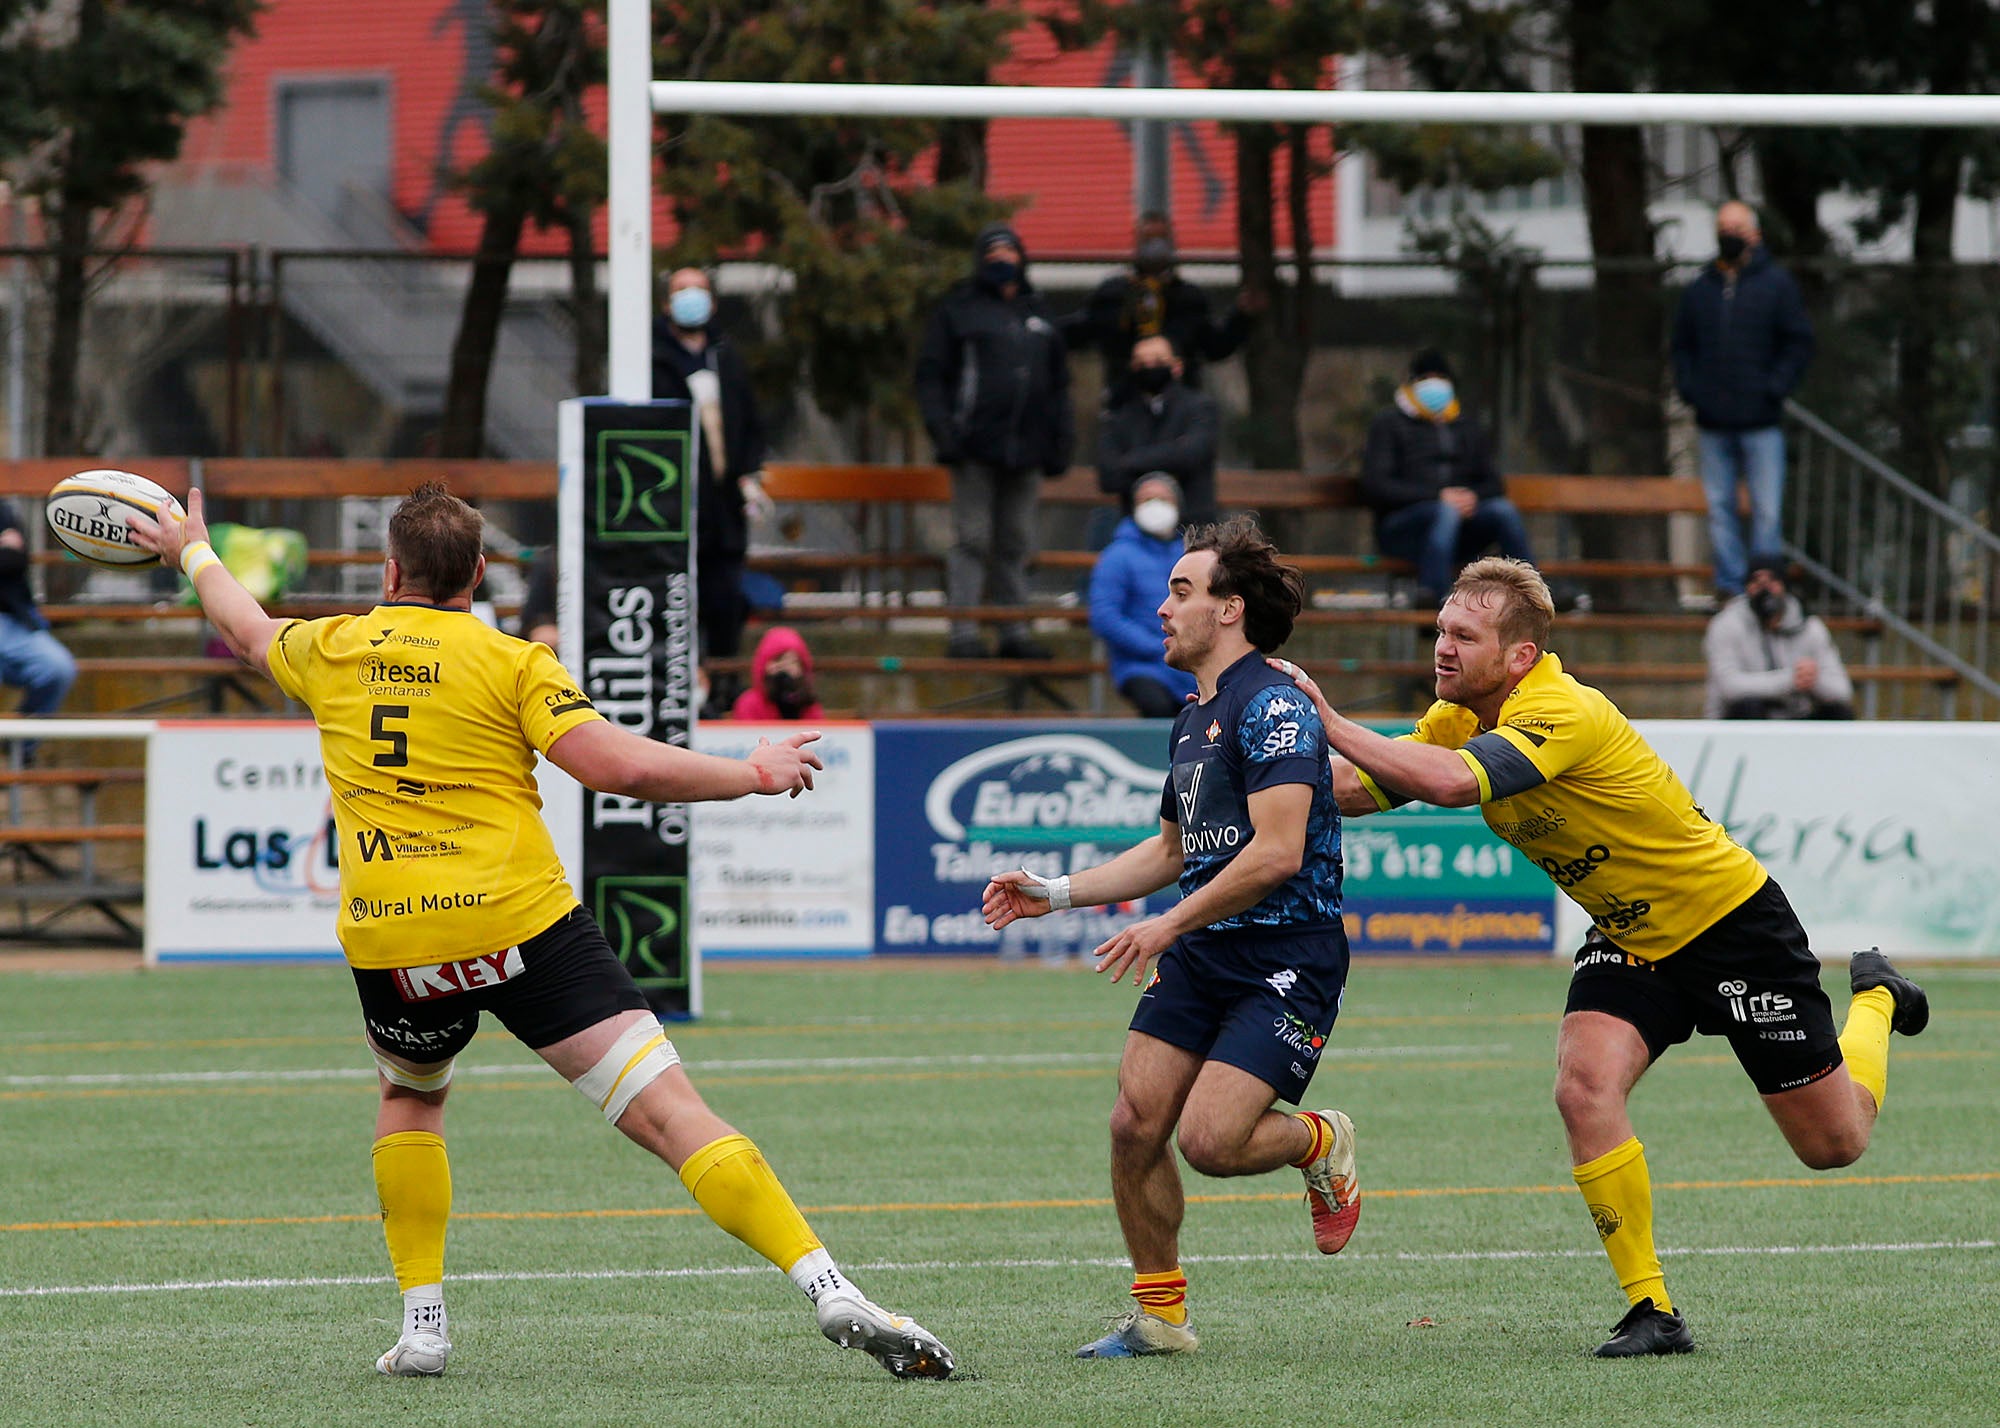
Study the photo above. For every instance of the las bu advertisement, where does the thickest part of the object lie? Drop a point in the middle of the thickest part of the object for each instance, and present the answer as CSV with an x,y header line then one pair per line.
x,y
241,856
954,805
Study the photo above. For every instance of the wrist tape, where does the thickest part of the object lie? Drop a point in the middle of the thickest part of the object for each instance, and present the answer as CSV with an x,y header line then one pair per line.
x,y
196,557
1055,891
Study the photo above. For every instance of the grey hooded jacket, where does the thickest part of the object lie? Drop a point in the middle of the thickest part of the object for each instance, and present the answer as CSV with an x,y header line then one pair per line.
x,y
1747,661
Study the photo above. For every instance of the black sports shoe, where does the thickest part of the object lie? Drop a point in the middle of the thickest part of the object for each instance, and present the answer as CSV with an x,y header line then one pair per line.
x,y
1871,969
1646,1330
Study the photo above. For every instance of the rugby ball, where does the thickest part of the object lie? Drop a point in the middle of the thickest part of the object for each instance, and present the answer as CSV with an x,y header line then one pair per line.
x,y
87,511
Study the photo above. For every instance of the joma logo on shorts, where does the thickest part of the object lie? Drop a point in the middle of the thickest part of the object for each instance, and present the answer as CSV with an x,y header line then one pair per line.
x,y
445,979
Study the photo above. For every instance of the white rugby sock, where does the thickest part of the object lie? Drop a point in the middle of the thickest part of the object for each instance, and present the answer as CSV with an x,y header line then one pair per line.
x,y
423,1309
818,1277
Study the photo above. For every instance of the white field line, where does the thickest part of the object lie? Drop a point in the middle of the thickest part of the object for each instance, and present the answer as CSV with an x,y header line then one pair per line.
x,y
187,1286
770,1063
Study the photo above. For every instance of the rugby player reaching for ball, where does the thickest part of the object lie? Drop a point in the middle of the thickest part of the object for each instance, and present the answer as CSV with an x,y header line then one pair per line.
x,y
453,900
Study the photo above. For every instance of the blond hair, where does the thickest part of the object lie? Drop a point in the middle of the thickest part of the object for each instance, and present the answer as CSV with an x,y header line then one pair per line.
x,y
1526,608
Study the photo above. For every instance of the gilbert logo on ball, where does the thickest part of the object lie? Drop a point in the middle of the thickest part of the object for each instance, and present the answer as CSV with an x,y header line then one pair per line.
x,y
87,511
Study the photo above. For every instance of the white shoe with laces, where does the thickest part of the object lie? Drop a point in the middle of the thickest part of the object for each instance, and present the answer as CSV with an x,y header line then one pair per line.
x,y
902,1346
418,1354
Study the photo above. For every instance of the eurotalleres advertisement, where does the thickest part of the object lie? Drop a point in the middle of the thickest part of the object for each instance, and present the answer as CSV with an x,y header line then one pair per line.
x,y
956,803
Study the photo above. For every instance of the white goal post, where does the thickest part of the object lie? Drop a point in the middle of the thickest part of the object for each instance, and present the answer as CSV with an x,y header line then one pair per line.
x,y
635,97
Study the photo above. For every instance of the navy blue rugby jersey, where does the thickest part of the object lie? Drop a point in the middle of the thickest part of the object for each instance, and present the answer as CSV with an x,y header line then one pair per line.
x,y
1257,732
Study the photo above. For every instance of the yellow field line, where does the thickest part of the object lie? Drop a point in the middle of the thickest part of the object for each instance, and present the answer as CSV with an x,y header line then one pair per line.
x,y
1095,1202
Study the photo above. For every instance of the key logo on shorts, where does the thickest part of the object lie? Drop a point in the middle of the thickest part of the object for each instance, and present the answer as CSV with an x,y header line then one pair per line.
x,y
1283,982
445,979
1297,1033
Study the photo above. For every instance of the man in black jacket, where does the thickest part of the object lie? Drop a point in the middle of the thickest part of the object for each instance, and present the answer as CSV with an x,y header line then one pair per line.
x,y
31,659
1163,427
1153,301
993,386
1428,475
693,361
1741,343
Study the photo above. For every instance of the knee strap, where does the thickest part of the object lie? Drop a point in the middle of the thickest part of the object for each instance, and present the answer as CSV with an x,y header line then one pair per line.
x,y
639,1057
435,1079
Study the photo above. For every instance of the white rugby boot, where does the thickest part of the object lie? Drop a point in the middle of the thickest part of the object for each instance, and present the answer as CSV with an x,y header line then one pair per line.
x,y
904,1347
418,1354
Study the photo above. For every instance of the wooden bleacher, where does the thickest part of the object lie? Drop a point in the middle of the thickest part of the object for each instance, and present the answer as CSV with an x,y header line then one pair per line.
x,y
884,583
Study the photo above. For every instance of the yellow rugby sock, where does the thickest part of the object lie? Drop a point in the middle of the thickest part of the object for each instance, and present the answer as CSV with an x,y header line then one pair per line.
x,y
731,1181
1864,1041
1164,1294
1619,1192
413,1179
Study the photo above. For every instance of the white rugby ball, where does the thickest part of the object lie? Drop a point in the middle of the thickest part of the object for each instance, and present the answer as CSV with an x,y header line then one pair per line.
x,y
87,511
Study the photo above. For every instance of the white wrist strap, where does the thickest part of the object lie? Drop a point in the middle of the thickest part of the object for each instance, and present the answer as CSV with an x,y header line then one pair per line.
x,y
1055,891
196,557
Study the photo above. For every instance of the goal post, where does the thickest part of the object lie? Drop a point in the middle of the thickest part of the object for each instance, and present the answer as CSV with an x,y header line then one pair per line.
x,y
635,97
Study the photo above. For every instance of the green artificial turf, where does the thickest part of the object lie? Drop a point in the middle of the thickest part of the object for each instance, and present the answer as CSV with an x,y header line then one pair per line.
x,y
205,1132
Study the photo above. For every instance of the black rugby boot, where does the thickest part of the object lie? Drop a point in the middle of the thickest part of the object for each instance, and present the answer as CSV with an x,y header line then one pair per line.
x,y
1871,969
1646,1330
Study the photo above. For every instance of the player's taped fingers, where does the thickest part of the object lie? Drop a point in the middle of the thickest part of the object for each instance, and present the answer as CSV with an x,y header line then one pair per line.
x,y
638,1058
434,1077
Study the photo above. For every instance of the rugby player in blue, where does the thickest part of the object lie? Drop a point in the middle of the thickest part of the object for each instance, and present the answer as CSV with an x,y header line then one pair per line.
x,y
1253,959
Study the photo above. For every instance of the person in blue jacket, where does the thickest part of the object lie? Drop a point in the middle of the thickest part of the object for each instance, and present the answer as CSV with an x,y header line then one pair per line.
x,y
1742,341
1125,593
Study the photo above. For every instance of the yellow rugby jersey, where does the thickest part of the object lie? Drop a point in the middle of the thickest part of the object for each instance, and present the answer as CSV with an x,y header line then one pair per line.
x,y
429,722
1567,779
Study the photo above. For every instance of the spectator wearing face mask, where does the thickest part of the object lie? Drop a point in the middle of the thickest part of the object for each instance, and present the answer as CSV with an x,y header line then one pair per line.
x,y
1428,474
781,680
1165,427
993,386
694,362
1153,300
1742,342
1126,589
1769,659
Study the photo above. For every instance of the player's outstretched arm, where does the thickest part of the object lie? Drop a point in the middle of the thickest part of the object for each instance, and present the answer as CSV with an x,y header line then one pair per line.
x,y
234,611
1427,772
602,756
1144,868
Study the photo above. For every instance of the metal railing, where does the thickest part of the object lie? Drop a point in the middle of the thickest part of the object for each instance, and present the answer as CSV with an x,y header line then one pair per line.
x,y
1891,551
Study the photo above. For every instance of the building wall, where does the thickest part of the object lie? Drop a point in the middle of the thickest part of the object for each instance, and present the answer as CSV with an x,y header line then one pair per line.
x,y
1074,176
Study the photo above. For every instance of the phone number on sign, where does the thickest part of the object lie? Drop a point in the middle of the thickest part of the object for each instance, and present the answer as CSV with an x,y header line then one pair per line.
x,y
1395,860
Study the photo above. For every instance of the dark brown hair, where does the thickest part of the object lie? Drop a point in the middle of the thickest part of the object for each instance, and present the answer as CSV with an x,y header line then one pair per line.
x,y
435,537
1526,611
1247,565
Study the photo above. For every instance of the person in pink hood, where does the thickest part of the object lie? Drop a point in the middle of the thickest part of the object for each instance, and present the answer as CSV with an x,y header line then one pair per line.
x,y
781,680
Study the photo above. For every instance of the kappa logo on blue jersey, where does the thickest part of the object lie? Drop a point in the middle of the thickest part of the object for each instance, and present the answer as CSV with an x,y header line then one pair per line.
x,y
1283,982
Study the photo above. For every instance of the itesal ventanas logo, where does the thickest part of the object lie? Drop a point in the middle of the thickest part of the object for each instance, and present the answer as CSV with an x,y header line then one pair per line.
x,y
1048,788
642,490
